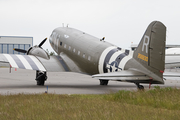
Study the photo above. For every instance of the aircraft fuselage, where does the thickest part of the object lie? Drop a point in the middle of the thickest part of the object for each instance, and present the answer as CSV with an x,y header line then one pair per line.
x,y
92,55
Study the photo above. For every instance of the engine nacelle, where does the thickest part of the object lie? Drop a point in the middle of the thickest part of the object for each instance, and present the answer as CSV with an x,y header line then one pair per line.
x,y
38,51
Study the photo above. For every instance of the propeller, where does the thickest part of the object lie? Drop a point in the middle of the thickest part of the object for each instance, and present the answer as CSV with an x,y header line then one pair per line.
x,y
36,51
25,51
42,42
20,50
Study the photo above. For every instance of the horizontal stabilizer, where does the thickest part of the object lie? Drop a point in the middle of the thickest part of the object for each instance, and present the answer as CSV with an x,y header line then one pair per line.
x,y
126,75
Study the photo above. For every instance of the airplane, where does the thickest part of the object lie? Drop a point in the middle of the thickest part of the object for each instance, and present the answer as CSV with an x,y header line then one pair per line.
x,y
80,52
172,58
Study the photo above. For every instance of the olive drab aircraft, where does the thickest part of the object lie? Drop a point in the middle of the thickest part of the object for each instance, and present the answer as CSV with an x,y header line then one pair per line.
x,y
80,52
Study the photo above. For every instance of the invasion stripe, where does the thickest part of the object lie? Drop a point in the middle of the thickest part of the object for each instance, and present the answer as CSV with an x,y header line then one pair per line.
x,y
36,61
107,58
11,60
121,56
102,57
24,62
31,62
18,61
114,56
123,61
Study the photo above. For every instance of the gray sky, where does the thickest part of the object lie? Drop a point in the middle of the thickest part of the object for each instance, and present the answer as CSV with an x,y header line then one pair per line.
x,y
120,21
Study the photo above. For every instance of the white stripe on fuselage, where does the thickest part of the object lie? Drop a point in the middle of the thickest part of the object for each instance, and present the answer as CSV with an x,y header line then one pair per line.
x,y
124,61
115,55
113,58
102,57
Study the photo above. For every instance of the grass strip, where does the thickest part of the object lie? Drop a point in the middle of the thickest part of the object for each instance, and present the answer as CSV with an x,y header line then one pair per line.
x,y
158,103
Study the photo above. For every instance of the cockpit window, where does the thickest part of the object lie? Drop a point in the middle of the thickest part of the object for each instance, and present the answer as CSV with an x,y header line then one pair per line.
x,y
66,36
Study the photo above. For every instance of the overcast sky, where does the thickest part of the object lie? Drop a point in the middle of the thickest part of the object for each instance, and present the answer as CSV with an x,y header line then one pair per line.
x,y
120,21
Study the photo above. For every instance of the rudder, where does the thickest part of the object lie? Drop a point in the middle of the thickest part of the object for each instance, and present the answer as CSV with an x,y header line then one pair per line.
x,y
151,49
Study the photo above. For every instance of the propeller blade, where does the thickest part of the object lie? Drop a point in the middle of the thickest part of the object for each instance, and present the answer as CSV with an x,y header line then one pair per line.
x,y
42,42
20,50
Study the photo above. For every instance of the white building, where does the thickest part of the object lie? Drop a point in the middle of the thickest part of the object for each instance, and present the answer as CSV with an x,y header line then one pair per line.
x,y
8,43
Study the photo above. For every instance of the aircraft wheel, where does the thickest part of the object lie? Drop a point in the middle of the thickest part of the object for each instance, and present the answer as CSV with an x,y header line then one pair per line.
x,y
104,82
140,87
41,78
40,82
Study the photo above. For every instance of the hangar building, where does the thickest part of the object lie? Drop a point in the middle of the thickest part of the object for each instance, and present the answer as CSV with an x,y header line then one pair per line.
x,y
8,43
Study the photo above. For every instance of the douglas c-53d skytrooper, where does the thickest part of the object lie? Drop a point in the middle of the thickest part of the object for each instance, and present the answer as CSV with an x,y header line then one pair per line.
x,y
80,52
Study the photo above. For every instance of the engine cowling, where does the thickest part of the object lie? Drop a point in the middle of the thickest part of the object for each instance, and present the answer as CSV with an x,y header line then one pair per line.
x,y
38,51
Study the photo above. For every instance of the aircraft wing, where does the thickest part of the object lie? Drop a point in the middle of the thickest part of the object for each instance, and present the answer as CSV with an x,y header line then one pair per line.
x,y
54,64
125,75
133,76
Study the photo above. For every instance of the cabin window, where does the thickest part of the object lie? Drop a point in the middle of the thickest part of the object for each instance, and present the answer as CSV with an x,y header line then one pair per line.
x,y
79,52
58,37
64,45
66,36
74,50
69,47
89,58
84,55
60,43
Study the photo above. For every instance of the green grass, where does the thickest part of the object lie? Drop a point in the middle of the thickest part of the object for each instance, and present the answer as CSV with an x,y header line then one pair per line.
x,y
153,104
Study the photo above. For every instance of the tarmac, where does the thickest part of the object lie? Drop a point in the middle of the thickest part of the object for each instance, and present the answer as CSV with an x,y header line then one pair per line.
x,y
21,81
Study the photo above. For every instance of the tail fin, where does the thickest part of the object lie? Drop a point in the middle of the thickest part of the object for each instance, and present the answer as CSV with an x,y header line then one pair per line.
x,y
151,49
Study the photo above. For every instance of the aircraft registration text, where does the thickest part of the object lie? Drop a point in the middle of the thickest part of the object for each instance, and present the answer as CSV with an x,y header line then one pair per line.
x,y
142,57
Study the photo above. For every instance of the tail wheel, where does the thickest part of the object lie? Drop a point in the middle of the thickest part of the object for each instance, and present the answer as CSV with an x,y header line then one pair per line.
x,y
104,82
140,87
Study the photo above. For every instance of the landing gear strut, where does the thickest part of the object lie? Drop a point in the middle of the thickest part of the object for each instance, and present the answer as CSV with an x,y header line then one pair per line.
x,y
140,87
104,82
40,77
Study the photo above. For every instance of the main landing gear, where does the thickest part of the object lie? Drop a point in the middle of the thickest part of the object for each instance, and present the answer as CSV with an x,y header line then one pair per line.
x,y
140,87
104,82
40,77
